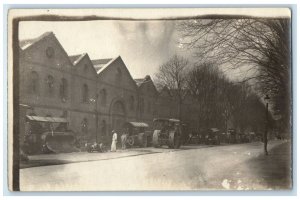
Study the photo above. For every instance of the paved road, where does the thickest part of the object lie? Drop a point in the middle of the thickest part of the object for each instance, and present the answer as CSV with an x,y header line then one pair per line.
x,y
219,167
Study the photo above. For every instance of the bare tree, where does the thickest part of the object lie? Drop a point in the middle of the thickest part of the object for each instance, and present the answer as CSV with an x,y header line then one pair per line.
x,y
172,75
204,82
262,45
220,99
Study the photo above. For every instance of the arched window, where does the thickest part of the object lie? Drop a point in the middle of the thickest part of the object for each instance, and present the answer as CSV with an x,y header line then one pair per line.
x,y
103,127
85,93
50,85
103,97
63,90
118,77
84,126
131,102
33,86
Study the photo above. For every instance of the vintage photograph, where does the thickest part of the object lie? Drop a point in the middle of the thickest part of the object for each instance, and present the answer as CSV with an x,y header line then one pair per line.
x,y
151,99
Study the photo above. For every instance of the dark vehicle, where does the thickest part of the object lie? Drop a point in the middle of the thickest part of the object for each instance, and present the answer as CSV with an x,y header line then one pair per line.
x,y
96,147
167,132
194,138
48,135
212,137
231,136
243,138
137,134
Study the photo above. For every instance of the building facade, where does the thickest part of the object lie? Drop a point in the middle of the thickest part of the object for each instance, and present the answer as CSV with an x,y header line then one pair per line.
x,y
94,96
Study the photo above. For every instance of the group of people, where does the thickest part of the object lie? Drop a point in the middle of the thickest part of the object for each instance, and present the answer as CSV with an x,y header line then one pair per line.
x,y
115,141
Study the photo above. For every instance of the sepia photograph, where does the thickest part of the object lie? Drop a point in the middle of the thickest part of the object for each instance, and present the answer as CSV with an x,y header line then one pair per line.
x,y
178,99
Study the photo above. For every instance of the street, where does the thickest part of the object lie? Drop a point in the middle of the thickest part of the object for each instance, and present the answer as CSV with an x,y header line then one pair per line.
x,y
233,167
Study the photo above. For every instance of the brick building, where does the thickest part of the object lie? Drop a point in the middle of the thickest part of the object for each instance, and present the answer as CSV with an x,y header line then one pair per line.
x,y
93,96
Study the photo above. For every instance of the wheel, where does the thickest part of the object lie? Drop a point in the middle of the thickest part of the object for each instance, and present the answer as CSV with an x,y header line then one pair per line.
x,y
174,140
130,141
155,139
142,140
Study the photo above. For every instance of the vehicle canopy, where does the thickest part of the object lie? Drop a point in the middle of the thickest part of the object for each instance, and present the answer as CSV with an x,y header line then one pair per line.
x,y
231,131
162,123
135,127
213,131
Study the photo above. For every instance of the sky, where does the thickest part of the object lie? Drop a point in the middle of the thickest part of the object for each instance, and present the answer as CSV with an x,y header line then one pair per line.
x,y
143,45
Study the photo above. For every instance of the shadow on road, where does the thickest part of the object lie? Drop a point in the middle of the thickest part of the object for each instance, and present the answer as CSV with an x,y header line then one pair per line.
x,y
275,169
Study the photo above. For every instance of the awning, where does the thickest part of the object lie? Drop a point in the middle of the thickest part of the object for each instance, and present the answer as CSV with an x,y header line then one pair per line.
x,y
139,124
47,119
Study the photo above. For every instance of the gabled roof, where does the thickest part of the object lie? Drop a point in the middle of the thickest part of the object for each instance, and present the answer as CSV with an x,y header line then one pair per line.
x,y
76,58
101,64
24,44
139,81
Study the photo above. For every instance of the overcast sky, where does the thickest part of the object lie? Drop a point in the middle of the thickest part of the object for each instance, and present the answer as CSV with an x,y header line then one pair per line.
x,y
142,45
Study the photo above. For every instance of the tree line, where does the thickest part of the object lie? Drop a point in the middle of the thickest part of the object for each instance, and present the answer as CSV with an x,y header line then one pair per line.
x,y
220,102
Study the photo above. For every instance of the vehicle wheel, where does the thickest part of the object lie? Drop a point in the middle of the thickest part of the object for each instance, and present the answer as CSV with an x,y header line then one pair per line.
x,y
155,139
174,140
199,141
130,141
143,140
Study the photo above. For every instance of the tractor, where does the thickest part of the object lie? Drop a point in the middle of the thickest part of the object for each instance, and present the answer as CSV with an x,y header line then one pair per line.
x,y
137,134
167,132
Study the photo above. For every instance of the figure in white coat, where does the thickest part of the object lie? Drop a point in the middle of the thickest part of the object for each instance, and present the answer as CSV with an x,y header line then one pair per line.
x,y
114,141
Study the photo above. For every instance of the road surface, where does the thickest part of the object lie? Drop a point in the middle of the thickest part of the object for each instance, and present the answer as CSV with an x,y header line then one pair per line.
x,y
233,167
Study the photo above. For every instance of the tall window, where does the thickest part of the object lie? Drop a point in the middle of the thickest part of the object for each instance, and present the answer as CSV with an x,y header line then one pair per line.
x,y
149,106
63,90
131,103
33,86
50,85
84,126
85,93
103,97
103,127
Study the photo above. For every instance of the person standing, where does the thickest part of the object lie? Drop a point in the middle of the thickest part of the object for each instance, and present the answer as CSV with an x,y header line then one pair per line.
x,y
114,141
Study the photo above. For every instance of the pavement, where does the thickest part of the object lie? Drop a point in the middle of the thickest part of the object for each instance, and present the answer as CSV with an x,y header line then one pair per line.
x,y
65,158
230,167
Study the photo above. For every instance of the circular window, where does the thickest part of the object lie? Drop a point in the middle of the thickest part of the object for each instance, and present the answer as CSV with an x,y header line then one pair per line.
x,y
49,52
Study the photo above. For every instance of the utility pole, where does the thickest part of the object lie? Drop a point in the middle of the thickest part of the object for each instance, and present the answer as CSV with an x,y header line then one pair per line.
x,y
96,111
267,98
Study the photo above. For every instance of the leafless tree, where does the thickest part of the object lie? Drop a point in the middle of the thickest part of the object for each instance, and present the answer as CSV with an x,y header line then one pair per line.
x,y
172,75
220,100
261,45
204,83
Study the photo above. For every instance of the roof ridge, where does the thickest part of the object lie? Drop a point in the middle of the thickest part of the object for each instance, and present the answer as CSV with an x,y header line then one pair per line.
x,y
31,41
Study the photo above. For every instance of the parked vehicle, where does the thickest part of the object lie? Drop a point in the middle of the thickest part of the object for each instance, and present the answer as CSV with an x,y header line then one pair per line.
x,y
137,134
194,138
48,135
167,132
212,137
232,136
